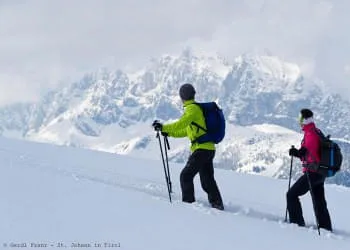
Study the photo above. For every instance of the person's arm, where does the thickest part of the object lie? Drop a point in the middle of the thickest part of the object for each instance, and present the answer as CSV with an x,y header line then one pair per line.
x,y
311,146
179,128
179,134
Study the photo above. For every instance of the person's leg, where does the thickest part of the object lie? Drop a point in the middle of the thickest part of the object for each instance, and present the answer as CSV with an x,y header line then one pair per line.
x,y
206,173
323,216
186,178
299,188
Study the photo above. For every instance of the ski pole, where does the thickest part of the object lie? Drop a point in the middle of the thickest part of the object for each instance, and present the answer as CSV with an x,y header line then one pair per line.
x,y
165,171
290,177
313,202
167,147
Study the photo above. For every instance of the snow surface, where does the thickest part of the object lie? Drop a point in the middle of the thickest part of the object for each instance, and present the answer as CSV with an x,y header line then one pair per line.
x,y
51,195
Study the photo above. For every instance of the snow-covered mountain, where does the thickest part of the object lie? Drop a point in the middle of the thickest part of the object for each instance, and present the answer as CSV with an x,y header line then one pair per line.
x,y
261,96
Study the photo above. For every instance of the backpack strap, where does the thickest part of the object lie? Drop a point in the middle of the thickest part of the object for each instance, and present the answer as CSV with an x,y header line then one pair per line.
x,y
199,126
196,124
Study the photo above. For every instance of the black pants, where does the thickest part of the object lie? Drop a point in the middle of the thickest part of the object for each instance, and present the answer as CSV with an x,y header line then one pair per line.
x,y
200,161
301,187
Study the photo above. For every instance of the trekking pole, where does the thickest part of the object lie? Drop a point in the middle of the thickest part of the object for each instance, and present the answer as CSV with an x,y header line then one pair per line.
x,y
313,202
167,147
165,171
290,177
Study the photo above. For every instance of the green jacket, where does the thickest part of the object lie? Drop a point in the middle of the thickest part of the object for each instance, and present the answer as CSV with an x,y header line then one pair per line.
x,y
184,128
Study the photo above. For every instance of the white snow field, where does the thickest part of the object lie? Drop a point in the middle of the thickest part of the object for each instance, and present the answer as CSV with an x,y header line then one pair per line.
x,y
53,197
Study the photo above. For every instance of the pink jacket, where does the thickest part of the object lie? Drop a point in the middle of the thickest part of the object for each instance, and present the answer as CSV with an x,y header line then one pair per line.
x,y
311,142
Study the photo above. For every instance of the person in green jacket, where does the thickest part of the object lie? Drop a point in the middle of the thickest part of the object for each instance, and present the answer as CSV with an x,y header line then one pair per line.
x,y
201,158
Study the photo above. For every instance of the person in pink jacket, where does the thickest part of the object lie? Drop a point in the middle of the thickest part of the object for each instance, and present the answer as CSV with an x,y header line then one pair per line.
x,y
309,154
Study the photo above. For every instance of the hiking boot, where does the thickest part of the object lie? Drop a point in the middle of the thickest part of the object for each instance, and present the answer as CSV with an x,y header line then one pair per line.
x,y
327,228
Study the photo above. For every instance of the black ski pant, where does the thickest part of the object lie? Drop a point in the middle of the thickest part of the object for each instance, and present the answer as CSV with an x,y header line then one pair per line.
x,y
301,187
200,161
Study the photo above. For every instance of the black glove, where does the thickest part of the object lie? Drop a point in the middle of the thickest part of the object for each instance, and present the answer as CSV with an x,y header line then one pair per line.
x,y
294,152
302,152
157,125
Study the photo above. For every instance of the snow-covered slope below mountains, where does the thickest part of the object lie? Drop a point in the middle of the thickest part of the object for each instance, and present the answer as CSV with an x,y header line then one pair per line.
x,y
257,149
58,197
112,110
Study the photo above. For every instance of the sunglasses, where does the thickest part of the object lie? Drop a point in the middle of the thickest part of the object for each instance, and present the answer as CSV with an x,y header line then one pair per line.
x,y
301,120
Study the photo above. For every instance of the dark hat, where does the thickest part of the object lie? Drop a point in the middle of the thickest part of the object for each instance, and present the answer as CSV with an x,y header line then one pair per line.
x,y
187,92
306,113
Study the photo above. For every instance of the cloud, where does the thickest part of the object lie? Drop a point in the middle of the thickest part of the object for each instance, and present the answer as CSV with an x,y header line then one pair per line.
x,y
46,42
310,33
15,88
347,69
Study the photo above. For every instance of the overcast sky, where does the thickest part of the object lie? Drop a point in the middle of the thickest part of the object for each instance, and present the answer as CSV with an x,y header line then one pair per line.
x,y
44,42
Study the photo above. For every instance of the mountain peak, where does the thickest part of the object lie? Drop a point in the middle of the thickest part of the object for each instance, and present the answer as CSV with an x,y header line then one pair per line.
x,y
109,110
270,66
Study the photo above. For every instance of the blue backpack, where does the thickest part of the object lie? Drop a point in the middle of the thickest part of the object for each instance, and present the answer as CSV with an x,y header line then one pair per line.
x,y
214,121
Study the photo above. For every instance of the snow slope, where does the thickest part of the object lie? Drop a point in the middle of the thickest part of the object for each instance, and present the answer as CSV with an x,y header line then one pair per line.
x,y
56,195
